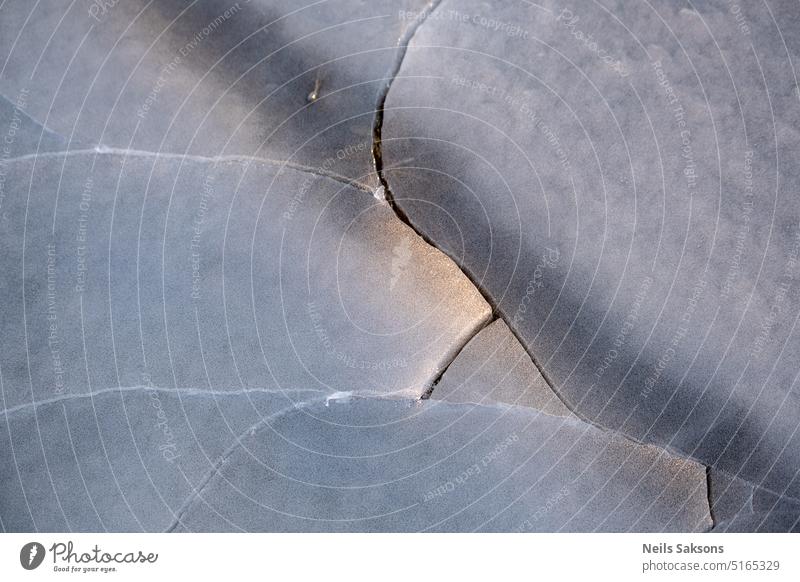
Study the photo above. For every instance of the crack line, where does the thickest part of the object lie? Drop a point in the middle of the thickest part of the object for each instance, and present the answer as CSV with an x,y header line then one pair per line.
x,y
141,387
479,328
216,467
377,126
709,500
198,158
377,154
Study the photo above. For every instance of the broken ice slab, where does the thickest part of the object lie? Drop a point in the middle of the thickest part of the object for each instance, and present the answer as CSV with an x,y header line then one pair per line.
x,y
213,77
384,465
120,459
494,367
228,274
629,205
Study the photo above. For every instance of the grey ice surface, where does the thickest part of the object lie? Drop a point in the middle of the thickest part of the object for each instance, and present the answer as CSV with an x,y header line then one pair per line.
x,y
241,244
223,275
494,367
373,465
149,459
628,202
275,79
123,459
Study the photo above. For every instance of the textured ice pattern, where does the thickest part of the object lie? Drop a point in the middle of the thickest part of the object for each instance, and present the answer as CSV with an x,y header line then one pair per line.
x,y
396,265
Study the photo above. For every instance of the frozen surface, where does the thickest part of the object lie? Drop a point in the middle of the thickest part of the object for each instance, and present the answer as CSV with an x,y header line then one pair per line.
x,y
397,265
226,275
122,459
628,202
372,465
216,77
494,367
